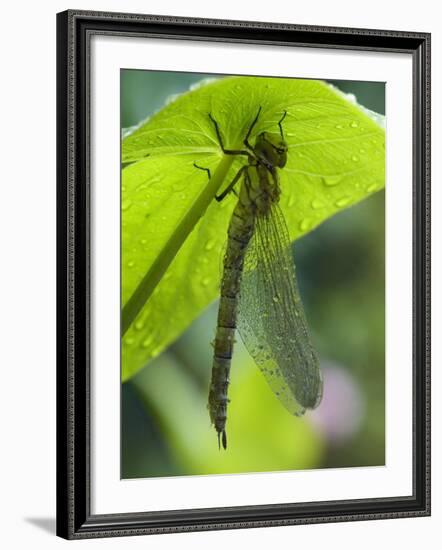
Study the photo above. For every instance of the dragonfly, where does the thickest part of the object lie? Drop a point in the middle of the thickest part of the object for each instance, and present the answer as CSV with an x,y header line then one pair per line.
x,y
259,292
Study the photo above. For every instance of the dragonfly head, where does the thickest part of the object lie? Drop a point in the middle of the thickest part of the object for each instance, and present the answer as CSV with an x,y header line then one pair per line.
x,y
271,148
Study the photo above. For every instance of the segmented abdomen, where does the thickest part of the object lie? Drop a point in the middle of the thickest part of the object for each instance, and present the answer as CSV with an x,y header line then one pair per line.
x,y
239,234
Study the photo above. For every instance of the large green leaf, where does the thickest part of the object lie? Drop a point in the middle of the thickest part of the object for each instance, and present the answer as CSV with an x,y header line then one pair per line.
x,y
173,231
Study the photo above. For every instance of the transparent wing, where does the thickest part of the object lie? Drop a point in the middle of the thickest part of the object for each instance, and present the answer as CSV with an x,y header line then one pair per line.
x,y
271,319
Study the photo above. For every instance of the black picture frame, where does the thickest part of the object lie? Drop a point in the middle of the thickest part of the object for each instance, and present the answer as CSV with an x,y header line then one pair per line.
x,y
74,518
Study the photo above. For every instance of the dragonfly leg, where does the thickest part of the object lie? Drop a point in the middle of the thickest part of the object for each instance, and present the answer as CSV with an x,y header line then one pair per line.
x,y
280,124
249,131
231,185
226,151
202,168
219,198
247,182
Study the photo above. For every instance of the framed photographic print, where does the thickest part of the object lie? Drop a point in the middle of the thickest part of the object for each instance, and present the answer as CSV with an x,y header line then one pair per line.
x,y
243,274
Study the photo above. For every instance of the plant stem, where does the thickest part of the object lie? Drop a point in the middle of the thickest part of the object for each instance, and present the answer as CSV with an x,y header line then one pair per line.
x,y
143,291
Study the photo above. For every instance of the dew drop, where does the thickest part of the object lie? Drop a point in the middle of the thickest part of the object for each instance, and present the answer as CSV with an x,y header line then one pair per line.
x,y
143,241
372,187
317,203
139,324
354,158
291,201
354,124
131,263
129,340
275,299
304,224
209,244
205,281
343,201
126,204
339,126
147,342
155,351
330,181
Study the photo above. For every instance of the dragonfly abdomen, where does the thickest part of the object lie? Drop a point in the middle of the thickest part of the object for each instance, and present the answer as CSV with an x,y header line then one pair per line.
x,y
240,232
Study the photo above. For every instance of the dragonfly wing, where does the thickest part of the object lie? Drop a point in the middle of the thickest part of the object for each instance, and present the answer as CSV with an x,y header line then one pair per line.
x,y
271,318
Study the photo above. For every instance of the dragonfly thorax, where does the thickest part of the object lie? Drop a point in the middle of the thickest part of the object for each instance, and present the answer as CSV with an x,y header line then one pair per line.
x,y
261,188
271,149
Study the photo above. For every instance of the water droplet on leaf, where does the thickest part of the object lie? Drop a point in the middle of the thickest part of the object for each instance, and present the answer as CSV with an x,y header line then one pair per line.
x,y
317,203
343,201
210,244
147,342
330,181
126,204
304,224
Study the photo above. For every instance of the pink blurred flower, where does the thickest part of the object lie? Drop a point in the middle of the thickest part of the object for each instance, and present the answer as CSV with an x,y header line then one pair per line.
x,y
342,409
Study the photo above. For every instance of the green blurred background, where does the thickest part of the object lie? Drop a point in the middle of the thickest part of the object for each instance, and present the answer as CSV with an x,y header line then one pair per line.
x,y
165,427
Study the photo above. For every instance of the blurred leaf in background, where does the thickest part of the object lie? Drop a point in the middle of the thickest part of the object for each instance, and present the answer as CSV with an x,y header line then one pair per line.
x,y
165,425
